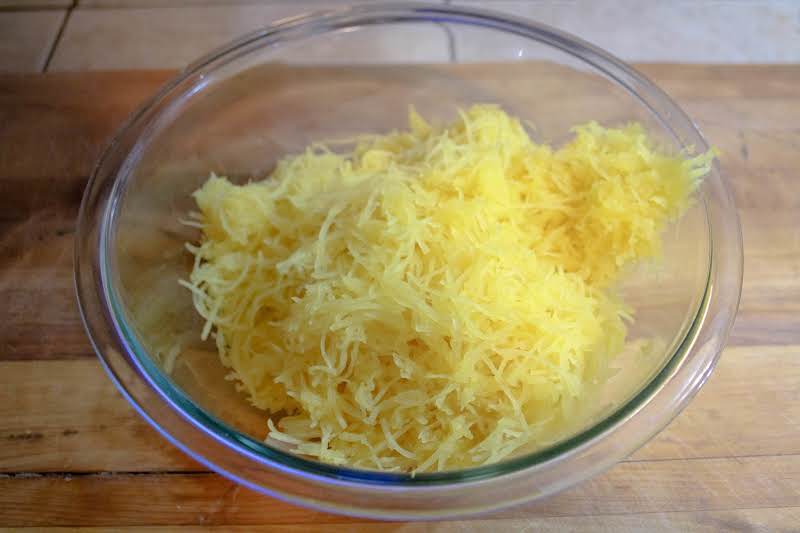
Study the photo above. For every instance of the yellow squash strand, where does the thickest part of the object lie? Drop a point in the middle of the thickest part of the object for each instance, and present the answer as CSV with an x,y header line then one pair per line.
x,y
437,298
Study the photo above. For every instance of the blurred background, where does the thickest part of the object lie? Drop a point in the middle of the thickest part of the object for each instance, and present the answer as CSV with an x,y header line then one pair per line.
x,y
75,35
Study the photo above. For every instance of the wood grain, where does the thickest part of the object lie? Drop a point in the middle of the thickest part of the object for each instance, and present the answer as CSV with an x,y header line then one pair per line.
x,y
52,129
97,431
74,454
773,519
66,416
203,498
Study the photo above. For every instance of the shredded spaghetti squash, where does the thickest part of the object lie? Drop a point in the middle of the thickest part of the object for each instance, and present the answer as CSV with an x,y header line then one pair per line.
x,y
439,297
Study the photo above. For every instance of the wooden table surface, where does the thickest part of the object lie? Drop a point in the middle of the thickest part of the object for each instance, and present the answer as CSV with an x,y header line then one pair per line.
x,y
73,453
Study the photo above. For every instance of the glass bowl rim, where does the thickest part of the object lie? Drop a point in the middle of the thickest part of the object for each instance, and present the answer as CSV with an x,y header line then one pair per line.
x,y
324,22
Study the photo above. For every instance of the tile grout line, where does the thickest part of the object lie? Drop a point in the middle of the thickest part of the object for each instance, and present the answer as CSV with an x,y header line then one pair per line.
x,y
59,34
451,39
451,44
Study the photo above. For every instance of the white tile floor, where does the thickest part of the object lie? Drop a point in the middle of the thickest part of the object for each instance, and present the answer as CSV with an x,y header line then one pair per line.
x,y
171,37
695,31
38,35
27,38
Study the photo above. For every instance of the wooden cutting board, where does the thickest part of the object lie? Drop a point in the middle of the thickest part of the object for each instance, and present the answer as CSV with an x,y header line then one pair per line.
x,y
73,453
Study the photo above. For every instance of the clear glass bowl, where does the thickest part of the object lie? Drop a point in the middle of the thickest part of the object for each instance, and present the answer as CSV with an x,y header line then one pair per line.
x,y
332,75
